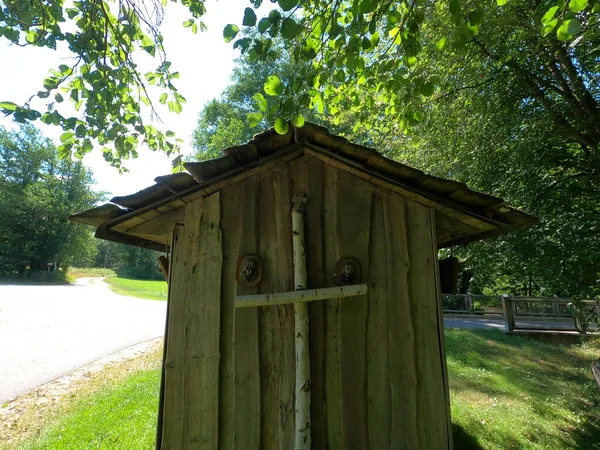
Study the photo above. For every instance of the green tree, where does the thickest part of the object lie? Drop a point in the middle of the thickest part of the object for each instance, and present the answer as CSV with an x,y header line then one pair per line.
x,y
481,125
349,47
39,192
514,115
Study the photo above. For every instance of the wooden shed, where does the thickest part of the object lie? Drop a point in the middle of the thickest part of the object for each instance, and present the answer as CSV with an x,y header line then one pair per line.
x,y
349,357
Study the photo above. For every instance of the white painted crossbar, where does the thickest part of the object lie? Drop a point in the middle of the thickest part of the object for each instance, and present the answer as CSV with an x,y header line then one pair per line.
x,y
309,295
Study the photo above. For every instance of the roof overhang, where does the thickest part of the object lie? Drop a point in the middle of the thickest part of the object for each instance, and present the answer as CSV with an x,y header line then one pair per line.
x,y
146,218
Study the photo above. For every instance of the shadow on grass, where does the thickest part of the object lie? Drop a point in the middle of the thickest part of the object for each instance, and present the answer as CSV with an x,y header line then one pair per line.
x,y
463,440
552,382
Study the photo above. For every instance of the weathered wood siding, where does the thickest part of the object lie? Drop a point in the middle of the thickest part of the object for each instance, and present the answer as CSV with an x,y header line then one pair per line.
x,y
191,370
377,361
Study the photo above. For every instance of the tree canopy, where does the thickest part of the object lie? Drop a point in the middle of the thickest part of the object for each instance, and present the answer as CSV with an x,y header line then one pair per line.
x,y
39,191
375,59
482,126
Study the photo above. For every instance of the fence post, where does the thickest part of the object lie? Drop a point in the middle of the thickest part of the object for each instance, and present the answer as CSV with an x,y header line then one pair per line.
x,y
470,306
509,318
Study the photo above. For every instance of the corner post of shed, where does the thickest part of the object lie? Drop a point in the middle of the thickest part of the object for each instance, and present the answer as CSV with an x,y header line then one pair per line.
x,y
190,400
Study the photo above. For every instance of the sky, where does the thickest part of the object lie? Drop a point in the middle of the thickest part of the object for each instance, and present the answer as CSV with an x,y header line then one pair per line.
x,y
204,61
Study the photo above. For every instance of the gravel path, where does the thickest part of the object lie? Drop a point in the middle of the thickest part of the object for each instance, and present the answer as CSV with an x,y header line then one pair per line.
x,y
48,331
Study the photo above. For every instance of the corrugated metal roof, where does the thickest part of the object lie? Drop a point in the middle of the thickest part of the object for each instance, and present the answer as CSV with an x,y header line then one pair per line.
x,y
466,214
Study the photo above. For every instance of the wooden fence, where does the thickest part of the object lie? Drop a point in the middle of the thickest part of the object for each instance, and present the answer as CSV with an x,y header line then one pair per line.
x,y
520,309
543,308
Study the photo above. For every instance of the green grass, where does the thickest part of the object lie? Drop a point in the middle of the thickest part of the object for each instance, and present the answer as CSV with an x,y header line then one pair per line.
x,y
115,417
148,289
507,392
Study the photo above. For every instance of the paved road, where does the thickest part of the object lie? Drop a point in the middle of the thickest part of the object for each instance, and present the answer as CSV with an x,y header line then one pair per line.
x,y
48,331
456,321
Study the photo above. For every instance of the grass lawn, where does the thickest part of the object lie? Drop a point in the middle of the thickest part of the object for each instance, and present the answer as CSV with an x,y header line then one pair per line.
x,y
148,289
507,392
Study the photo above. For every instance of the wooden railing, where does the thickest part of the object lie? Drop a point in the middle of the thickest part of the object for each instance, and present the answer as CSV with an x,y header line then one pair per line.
x,y
545,308
525,309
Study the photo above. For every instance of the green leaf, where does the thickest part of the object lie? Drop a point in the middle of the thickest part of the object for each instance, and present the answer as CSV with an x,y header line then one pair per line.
x,y
261,102
568,29
254,119
439,45
229,32
317,101
242,44
148,45
249,17
287,5
163,98
501,2
548,27
8,106
31,36
274,16
66,136
273,85
454,7
476,17
264,25
374,39
427,89
367,6
290,29
281,126
549,15
577,5
394,17
298,121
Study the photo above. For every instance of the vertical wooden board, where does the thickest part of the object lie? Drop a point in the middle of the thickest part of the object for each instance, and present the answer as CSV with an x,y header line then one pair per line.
x,y
401,342
247,369
440,322
172,420
202,323
377,350
354,220
308,173
231,227
333,344
431,407
282,195
161,395
275,322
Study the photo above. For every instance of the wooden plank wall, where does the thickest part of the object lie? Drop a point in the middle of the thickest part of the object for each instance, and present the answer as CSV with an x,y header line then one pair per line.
x,y
377,362
257,221
191,369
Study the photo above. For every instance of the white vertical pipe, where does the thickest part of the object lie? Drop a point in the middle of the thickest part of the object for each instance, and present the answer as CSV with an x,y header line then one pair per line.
x,y
303,388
